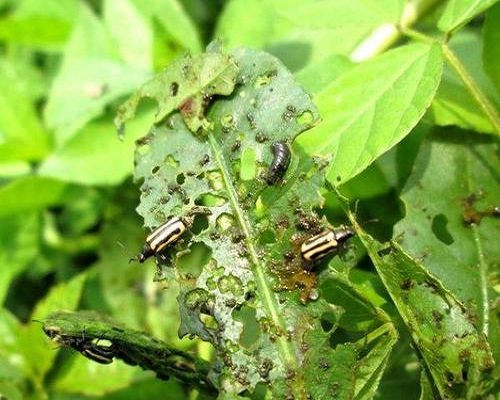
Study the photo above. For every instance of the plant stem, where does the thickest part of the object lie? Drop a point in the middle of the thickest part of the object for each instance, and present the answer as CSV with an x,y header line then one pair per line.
x,y
473,88
386,35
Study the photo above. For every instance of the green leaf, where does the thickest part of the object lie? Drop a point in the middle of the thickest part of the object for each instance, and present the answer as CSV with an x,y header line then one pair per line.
x,y
135,45
187,86
297,31
42,25
491,49
173,18
19,232
32,193
454,351
322,14
22,136
91,76
95,155
372,107
459,12
316,77
454,104
457,228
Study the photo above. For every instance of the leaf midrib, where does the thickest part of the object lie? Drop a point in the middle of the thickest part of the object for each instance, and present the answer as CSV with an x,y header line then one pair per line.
x,y
287,352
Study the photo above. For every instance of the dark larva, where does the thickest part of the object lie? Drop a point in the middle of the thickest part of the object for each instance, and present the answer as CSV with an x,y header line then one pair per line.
x,y
280,162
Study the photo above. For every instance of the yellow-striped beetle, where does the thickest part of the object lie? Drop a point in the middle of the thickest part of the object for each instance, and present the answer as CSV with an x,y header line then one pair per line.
x,y
161,237
279,165
325,242
93,350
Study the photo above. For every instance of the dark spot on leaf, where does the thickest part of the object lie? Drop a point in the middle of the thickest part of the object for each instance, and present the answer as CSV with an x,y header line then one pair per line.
x,y
236,146
261,137
174,88
440,230
437,318
180,179
407,284
155,169
323,364
205,160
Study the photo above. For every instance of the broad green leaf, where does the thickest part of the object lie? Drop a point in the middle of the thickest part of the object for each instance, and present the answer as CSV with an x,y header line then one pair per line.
x,y
246,293
372,107
43,25
91,76
13,366
459,12
22,136
32,193
454,233
491,49
37,350
322,14
454,351
186,86
171,15
279,28
135,45
95,155
19,241
316,77
454,104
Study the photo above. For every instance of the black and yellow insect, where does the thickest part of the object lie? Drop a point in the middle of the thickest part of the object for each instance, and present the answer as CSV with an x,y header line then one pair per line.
x,y
93,350
161,237
320,245
280,163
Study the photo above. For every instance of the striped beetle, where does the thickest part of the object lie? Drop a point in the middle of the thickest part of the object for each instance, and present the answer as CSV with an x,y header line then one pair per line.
x,y
325,242
280,163
161,237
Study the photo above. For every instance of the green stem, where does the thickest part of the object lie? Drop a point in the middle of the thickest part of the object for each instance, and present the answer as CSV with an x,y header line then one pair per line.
x,y
386,35
268,297
483,102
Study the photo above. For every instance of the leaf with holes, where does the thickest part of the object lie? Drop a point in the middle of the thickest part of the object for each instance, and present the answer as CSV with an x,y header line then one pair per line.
x,y
252,296
455,233
187,86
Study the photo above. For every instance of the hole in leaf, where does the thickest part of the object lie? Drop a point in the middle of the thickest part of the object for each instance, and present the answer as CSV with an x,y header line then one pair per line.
x,y
251,329
209,200
215,180
230,284
209,321
171,161
194,261
342,336
200,223
180,179
305,117
225,221
440,229
268,236
248,166
328,321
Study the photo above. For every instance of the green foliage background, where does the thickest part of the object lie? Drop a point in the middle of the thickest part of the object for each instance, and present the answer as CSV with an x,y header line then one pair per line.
x,y
408,95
